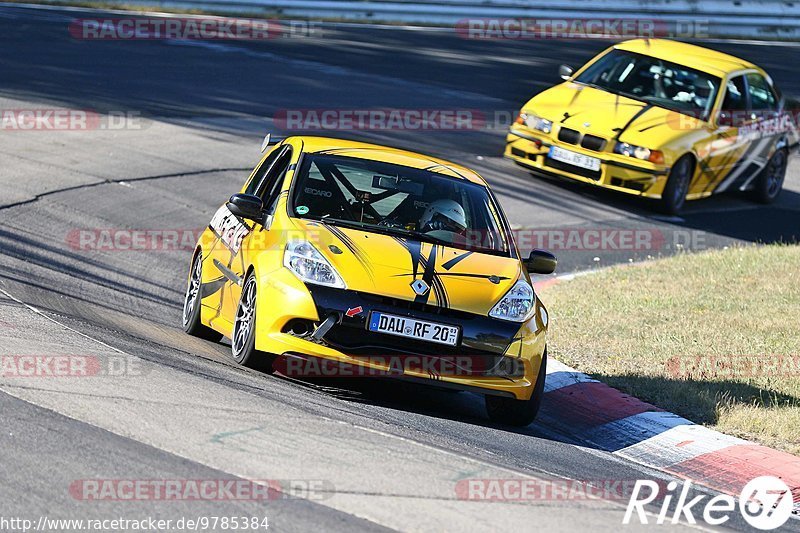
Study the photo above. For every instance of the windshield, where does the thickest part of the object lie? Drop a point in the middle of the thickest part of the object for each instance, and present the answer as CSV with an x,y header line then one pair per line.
x,y
397,200
654,81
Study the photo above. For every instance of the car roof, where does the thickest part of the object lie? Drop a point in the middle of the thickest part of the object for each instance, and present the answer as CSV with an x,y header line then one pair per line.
x,y
692,56
361,150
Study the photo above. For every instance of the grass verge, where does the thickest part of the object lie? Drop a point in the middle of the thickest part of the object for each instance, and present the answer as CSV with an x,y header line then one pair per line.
x,y
713,337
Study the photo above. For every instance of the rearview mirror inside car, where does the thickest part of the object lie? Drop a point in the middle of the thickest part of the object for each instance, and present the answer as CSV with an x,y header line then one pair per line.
x,y
541,262
246,206
396,183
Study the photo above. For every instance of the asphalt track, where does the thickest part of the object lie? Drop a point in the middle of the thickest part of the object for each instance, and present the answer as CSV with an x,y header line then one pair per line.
x,y
389,456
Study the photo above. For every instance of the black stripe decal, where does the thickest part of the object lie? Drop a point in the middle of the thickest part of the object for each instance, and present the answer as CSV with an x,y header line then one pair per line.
x,y
227,272
636,115
212,287
454,261
427,276
461,275
354,249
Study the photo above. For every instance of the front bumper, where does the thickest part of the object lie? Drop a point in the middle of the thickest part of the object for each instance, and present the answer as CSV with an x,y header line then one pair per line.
x,y
504,357
628,176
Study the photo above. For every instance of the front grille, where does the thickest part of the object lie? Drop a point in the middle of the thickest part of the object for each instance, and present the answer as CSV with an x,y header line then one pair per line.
x,y
628,184
447,360
592,142
569,136
360,341
572,169
480,334
517,152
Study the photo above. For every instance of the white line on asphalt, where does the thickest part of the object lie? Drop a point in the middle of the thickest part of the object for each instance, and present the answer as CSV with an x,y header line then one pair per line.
x,y
43,315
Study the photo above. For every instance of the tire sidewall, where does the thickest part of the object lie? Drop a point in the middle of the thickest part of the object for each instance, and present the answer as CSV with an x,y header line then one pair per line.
x,y
674,196
763,183
245,356
192,322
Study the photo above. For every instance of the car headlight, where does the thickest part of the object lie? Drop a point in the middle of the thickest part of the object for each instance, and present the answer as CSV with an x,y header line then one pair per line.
x,y
639,152
516,305
310,266
535,123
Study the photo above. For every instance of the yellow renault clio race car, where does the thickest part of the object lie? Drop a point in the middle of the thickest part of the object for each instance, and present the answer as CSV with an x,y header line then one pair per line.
x,y
364,255
660,119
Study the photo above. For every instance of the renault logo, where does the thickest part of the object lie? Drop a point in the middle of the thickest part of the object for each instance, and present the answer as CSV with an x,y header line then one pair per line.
x,y
420,287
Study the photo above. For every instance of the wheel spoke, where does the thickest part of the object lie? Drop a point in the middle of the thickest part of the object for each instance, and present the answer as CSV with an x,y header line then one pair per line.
x,y
243,324
192,291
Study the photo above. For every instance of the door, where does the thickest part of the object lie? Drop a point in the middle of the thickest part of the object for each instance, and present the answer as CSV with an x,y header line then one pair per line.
x,y
753,133
258,237
726,147
230,232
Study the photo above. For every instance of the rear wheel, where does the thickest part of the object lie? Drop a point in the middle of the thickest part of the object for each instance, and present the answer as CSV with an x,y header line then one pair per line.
x,y
243,338
191,304
769,182
674,195
515,412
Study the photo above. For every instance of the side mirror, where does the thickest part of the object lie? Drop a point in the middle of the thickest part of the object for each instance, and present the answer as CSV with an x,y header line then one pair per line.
x,y
565,72
246,206
541,262
724,118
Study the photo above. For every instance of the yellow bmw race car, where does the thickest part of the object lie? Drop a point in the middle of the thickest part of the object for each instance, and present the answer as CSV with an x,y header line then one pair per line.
x,y
380,261
660,119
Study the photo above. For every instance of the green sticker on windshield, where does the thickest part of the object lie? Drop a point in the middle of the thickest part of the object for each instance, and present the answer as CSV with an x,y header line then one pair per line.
x,y
301,210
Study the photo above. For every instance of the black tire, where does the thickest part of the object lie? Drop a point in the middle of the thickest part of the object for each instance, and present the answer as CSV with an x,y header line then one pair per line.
x,y
680,177
769,182
243,336
191,304
512,412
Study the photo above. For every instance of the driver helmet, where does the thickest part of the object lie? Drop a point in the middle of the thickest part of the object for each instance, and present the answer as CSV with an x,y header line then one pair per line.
x,y
444,215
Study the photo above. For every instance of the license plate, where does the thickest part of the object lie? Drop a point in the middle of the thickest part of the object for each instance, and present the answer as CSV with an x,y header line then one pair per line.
x,y
412,328
574,158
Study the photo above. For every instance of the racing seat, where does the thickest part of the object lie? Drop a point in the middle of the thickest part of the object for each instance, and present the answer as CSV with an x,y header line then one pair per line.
x,y
320,198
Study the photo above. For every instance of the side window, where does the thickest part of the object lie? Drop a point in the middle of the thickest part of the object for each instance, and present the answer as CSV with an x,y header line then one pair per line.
x,y
271,187
762,97
735,95
258,178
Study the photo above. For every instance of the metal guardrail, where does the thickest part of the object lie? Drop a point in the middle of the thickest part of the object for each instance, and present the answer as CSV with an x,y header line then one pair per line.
x,y
770,19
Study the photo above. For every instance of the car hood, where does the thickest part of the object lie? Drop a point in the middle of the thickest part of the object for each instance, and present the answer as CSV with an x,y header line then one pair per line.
x,y
606,114
387,265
